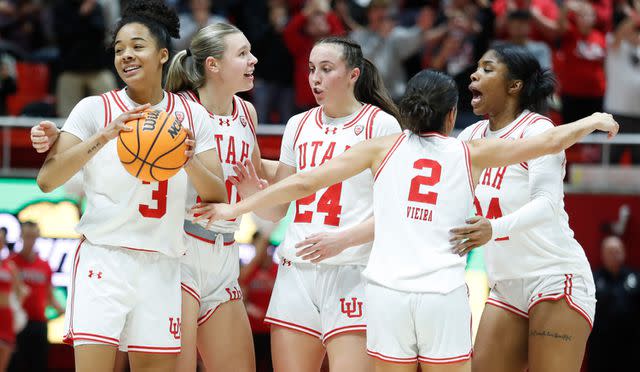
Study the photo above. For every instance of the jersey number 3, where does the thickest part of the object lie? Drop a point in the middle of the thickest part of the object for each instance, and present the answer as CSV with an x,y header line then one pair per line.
x,y
160,196
415,195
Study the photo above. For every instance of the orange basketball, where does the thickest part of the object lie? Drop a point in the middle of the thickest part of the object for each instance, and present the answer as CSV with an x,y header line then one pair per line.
x,y
155,149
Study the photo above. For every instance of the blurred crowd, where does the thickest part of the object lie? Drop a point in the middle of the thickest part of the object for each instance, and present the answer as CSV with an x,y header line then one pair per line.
x,y
593,46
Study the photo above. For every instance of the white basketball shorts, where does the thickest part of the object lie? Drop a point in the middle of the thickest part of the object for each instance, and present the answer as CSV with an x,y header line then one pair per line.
x,y
519,296
320,300
410,327
209,272
126,298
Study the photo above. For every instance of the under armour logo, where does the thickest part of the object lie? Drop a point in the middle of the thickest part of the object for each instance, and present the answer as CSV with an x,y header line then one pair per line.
x,y
174,327
286,262
353,309
225,121
98,274
234,294
333,130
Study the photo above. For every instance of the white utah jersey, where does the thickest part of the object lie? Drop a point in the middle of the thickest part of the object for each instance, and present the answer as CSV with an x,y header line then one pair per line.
x,y
422,189
121,209
547,248
235,138
310,139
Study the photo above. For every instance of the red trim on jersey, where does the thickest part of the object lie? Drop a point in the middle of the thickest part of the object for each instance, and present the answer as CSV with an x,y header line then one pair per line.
x,y
360,115
538,118
193,96
107,109
506,306
467,160
189,114
302,123
153,349
234,110
450,360
518,124
386,358
293,326
118,101
226,244
190,291
369,126
386,158
432,134
341,330
475,130
352,122
171,103
245,108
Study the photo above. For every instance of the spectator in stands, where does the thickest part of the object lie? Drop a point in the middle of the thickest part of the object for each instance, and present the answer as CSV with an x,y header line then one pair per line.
x,y
273,90
315,21
32,343
614,341
257,279
7,80
199,15
544,15
469,30
581,61
80,27
518,33
21,24
388,45
623,80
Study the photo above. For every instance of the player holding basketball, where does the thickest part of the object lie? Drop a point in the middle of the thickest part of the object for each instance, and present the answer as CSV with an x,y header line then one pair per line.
x,y
418,308
217,65
533,261
125,289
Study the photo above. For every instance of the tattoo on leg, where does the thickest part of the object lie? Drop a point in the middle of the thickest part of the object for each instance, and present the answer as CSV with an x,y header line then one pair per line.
x,y
546,333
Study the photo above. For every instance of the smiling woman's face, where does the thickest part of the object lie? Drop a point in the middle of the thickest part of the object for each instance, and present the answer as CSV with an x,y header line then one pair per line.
x,y
138,60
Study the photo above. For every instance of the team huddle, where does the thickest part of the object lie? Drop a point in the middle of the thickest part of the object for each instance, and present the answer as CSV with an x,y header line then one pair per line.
x,y
372,265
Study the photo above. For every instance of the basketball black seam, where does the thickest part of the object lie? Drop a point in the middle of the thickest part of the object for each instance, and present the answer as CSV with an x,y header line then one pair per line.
x,y
153,165
144,161
135,156
138,136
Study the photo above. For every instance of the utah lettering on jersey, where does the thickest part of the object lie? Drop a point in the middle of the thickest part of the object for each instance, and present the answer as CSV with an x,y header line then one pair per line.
x,y
236,151
492,177
314,154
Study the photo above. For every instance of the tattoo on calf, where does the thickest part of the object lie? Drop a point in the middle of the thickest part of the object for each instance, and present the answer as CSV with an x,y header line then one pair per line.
x,y
545,333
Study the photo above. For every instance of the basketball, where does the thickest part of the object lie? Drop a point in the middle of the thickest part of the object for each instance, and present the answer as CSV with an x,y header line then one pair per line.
x,y
155,149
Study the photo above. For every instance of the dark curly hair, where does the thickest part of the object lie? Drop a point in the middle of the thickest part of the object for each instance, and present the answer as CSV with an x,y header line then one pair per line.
x,y
161,20
538,83
429,97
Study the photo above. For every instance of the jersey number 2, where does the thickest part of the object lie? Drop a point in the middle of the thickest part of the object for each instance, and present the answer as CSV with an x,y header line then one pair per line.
x,y
160,196
416,182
